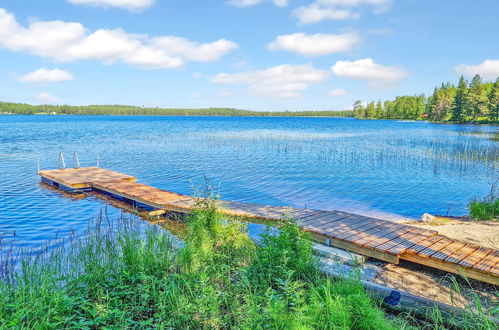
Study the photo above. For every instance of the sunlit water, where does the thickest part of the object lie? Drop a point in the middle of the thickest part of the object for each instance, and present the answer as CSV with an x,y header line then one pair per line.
x,y
386,169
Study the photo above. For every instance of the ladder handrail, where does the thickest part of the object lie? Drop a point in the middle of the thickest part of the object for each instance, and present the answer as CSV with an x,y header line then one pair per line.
x,y
61,161
75,162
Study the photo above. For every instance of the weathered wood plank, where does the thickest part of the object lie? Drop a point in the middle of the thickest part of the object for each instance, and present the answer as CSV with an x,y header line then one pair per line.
x,y
381,240
435,247
402,243
461,254
488,263
446,251
475,257
426,243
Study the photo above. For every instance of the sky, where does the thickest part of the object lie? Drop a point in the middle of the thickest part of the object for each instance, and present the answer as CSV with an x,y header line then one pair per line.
x,y
247,54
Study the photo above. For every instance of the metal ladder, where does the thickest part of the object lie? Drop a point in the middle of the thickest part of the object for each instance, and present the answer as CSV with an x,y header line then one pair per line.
x,y
75,162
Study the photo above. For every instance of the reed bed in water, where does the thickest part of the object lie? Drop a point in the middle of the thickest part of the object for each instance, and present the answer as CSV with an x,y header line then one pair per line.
x,y
455,153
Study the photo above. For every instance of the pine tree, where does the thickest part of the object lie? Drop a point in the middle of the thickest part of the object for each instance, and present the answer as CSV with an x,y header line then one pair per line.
x,y
494,102
358,109
460,101
477,106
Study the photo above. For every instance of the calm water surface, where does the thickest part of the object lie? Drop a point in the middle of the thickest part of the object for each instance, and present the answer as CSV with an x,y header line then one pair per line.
x,y
387,169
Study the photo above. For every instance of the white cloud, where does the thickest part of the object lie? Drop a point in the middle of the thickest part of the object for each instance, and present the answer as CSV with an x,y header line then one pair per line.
x,y
46,76
247,3
282,81
45,97
315,13
132,5
69,41
336,10
194,51
488,69
314,44
337,92
378,76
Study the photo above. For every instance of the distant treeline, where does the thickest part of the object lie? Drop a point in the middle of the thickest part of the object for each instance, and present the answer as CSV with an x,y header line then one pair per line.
x,y
476,102
27,109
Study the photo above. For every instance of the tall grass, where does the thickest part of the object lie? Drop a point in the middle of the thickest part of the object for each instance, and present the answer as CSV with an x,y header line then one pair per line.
x,y
131,277
486,208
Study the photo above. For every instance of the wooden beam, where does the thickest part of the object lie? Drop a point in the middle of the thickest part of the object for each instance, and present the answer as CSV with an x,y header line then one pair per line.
x,y
451,267
394,259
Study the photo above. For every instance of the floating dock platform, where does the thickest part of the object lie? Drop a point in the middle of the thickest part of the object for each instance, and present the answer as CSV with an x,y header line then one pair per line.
x,y
376,238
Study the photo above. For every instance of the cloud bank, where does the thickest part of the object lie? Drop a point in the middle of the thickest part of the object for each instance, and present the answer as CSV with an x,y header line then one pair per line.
x,y
488,69
314,44
282,81
69,41
377,75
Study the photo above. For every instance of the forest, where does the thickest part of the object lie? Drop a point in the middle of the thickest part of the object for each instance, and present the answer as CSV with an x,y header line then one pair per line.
x,y
27,109
468,102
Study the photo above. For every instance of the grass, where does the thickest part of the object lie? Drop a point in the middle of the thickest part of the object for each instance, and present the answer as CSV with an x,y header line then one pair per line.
x,y
127,275
131,277
486,208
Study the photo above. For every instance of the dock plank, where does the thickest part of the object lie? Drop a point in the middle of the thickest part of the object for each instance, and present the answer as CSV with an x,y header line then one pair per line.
x,y
442,243
426,243
461,254
475,257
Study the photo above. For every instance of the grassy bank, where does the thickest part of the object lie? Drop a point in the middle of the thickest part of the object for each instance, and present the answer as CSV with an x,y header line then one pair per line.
x,y
128,276
136,278
28,109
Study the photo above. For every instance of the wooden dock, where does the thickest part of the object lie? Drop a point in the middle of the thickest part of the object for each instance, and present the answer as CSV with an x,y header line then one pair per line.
x,y
368,236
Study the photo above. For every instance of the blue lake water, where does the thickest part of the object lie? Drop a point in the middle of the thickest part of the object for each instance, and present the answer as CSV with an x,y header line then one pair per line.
x,y
386,169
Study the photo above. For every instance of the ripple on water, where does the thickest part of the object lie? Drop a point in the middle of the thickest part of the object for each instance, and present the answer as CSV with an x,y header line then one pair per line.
x,y
379,168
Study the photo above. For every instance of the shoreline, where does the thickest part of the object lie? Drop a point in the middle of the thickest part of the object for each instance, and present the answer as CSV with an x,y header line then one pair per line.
x,y
253,116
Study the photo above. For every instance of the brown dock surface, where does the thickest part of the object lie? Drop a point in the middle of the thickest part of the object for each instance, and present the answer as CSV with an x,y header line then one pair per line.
x,y
368,236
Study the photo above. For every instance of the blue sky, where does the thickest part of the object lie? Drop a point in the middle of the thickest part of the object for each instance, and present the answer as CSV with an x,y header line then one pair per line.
x,y
250,54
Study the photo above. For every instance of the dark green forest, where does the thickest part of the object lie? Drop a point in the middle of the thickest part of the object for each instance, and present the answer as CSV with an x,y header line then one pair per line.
x,y
468,102
27,109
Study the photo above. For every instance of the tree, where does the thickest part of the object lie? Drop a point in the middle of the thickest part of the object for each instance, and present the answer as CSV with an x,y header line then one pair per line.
x,y
378,113
370,110
460,101
494,102
358,109
477,100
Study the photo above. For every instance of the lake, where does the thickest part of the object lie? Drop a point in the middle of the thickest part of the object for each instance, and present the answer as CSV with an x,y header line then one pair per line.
x,y
381,168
